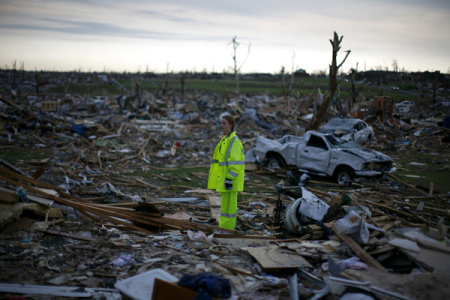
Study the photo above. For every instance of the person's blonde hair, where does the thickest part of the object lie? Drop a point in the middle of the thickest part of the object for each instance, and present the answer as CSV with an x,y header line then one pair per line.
x,y
230,120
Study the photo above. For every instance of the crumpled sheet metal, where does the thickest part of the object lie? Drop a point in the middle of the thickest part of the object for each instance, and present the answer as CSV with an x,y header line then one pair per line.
x,y
286,145
311,206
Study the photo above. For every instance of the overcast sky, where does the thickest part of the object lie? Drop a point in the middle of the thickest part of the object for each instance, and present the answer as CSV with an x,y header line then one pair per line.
x,y
189,35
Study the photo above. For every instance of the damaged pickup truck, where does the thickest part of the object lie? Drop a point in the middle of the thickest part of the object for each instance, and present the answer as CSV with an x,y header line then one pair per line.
x,y
320,154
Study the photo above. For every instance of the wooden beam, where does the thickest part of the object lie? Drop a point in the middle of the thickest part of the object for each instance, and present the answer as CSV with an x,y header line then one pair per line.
x,y
73,236
366,257
407,184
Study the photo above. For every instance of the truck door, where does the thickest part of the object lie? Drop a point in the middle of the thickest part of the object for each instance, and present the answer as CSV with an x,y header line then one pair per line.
x,y
315,156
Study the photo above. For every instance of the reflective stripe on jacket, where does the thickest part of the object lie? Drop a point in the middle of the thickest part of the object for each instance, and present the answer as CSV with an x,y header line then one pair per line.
x,y
228,162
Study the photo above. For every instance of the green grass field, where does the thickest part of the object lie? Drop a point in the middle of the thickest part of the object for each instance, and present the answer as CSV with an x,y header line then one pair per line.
x,y
267,86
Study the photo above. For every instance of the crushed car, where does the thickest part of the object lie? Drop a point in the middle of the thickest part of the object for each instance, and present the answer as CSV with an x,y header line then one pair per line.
x,y
320,154
354,130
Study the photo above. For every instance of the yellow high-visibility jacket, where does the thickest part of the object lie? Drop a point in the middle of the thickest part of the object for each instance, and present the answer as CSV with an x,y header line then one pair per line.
x,y
228,163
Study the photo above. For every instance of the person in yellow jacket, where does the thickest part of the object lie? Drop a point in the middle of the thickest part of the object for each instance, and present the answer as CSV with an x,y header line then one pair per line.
x,y
226,174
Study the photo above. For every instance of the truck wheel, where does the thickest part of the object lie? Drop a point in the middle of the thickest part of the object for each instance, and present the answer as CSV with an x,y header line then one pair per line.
x,y
344,175
275,162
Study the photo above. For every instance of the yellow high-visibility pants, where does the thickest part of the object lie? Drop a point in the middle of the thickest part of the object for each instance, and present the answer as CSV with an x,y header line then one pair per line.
x,y
228,208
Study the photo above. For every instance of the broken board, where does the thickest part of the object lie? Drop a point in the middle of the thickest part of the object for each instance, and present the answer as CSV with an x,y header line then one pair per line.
x,y
275,257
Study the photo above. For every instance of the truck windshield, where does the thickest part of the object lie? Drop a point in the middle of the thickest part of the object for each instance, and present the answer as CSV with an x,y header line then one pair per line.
x,y
339,143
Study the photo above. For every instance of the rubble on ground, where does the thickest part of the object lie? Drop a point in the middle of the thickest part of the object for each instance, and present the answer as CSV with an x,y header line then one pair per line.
x,y
84,222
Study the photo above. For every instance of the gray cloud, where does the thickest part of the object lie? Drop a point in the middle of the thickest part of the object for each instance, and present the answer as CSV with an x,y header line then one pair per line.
x,y
104,29
149,13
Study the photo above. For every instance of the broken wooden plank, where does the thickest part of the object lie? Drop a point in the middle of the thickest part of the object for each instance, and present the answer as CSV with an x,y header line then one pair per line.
x,y
366,257
386,228
143,146
72,236
437,211
38,173
402,213
273,257
407,184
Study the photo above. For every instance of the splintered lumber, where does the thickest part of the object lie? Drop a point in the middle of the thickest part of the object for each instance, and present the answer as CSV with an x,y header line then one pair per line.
x,y
18,176
191,225
143,146
73,236
82,207
407,184
382,219
437,211
386,228
14,175
261,186
402,213
319,192
317,231
38,172
366,257
161,177
370,217
382,249
133,181
21,109
119,218
123,159
39,192
116,215
146,183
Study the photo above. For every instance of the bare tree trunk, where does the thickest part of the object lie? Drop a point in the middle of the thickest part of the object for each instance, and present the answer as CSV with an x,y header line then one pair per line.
x,y
237,69
166,81
283,82
292,75
316,98
354,93
333,84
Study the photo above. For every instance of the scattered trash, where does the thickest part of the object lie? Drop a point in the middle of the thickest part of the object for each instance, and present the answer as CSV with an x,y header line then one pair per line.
x,y
123,260
105,212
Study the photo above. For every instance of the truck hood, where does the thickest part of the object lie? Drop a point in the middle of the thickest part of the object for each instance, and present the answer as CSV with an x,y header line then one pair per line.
x,y
366,154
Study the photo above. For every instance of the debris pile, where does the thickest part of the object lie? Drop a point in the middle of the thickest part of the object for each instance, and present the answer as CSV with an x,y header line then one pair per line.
x,y
83,219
